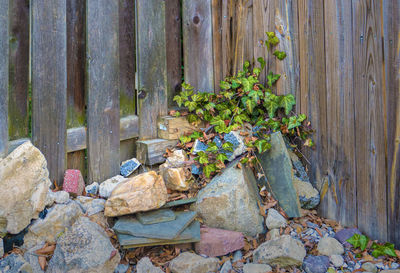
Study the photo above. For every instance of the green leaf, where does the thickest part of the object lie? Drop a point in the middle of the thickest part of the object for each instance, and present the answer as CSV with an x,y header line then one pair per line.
x,y
271,105
363,242
209,106
280,55
202,157
208,169
301,117
199,111
179,100
261,60
225,85
191,105
192,118
235,84
250,104
195,135
272,78
256,71
354,240
187,86
212,147
226,114
247,86
244,160
185,139
227,146
246,66
222,157
287,102
262,145
272,40
227,95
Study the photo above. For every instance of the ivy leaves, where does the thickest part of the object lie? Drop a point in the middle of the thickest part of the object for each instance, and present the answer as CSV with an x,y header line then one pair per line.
x,y
361,242
272,40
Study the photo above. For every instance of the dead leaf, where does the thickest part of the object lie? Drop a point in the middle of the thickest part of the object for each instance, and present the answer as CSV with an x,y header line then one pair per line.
x,y
46,250
42,262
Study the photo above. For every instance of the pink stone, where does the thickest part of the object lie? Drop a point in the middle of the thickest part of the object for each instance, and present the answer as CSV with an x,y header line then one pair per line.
x,y
73,182
218,242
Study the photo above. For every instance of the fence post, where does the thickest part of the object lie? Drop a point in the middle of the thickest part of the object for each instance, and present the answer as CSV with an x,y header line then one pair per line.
x,y
103,89
151,65
198,44
49,83
3,78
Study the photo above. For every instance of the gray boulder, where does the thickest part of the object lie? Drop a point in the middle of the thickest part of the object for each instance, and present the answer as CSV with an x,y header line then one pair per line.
x,y
229,201
275,220
92,189
256,268
308,195
24,184
329,246
316,264
58,219
188,262
90,205
59,197
146,266
14,263
283,251
84,248
277,167
31,257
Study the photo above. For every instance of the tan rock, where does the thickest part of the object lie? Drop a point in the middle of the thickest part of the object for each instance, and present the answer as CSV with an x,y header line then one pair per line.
x,y
175,178
24,184
143,192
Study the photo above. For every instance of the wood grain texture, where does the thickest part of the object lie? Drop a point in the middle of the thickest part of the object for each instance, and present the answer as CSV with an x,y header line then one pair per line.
x,y
151,152
49,83
391,39
3,78
312,81
369,117
173,24
103,91
341,160
217,21
151,65
18,69
198,44
76,97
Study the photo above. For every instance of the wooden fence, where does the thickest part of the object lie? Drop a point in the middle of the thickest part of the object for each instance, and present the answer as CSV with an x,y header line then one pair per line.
x,y
342,64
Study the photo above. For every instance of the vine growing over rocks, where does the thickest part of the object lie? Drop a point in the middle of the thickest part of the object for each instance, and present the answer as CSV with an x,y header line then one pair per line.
x,y
246,106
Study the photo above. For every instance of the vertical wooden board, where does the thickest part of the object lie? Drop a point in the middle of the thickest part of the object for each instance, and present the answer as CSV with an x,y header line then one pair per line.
x,y
341,201
3,78
391,39
312,81
18,69
151,65
173,27
127,61
226,37
76,56
369,118
198,44
217,22
49,83
103,89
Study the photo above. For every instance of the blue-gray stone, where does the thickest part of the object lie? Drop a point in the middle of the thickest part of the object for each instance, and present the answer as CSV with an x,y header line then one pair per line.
x,y
167,230
14,263
196,170
237,256
92,189
277,167
218,142
190,235
344,234
121,268
316,264
129,166
180,202
156,216
199,146
298,166
232,138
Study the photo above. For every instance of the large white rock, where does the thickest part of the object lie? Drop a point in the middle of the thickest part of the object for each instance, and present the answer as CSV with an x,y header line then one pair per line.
x,y
59,197
24,184
329,246
283,251
58,219
229,201
188,262
106,187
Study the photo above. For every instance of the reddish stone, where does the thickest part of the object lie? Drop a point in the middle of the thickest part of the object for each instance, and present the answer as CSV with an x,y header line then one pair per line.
x,y
218,242
73,182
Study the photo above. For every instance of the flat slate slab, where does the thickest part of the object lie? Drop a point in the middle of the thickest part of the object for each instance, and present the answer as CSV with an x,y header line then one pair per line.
x,y
156,216
180,202
190,235
167,230
277,166
129,166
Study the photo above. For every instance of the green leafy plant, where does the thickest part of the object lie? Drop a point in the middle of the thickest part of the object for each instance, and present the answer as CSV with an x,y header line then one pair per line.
x,y
358,241
244,103
361,242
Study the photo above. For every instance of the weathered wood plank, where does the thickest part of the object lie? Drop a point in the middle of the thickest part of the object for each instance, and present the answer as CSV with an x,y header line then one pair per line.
x,y
391,39
174,127
76,56
103,91
173,23
151,65
312,81
369,117
3,78
18,69
151,152
341,161
49,83
76,137
197,44
217,21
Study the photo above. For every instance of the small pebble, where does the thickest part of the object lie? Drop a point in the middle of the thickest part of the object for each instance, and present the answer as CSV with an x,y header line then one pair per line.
x,y
237,256
336,260
369,267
